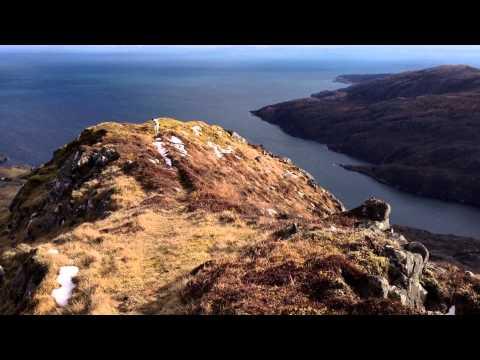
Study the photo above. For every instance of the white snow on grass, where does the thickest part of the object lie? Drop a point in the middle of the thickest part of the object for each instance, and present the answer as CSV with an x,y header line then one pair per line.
x,y
179,145
197,130
288,173
219,152
271,212
64,292
154,161
163,152
451,311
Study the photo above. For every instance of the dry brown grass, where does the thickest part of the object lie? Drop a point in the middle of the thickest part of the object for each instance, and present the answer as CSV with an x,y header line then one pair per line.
x,y
312,272
162,223
136,271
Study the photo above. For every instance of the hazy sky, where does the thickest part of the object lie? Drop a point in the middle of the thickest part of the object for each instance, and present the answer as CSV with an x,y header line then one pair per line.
x,y
435,53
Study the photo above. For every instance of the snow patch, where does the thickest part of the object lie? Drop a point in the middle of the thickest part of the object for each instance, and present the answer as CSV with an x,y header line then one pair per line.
x,y
219,152
179,145
197,130
289,174
163,152
451,311
64,293
271,212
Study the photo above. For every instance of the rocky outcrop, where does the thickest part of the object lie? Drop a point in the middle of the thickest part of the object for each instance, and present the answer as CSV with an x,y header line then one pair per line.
x,y
405,273
461,251
22,275
418,129
373,213
407,260
371,271
62,203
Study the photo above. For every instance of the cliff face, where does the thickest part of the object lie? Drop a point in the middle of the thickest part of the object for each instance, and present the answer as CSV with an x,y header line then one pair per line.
x,y
419,129
174,217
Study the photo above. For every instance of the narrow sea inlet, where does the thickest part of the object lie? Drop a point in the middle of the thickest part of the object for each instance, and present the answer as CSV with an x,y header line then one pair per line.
x,y
47,99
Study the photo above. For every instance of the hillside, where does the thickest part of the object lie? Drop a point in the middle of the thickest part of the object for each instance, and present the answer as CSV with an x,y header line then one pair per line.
x,y
356,78
418,129
171,217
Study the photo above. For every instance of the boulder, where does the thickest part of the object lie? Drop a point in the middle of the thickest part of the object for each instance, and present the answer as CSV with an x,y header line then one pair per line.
x,y
405,272
373,213
286,160
418,248
376,286
237,137
287,232
312,183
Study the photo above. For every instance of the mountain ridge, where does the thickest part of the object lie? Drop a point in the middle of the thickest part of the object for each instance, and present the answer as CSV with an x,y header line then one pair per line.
x,y
171,217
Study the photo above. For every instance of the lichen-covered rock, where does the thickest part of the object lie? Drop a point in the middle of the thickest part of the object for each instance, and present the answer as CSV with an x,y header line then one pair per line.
x,y
405,272
374,213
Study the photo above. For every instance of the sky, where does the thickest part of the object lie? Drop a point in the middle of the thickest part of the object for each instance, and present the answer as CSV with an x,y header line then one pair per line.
x,y
458,54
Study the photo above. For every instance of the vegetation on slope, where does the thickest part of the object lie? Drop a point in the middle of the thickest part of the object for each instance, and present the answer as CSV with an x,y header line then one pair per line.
x,y
109,204
188,218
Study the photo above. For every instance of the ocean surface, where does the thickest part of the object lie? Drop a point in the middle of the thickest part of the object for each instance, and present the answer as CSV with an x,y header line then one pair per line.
x,y
47,99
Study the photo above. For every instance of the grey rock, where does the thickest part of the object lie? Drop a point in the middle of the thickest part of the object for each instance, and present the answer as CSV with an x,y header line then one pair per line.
x,y
286,160
307,174
98,158
373,213
377,286
469,275
399,238
418,248
312,183
405,273
236,136
290,230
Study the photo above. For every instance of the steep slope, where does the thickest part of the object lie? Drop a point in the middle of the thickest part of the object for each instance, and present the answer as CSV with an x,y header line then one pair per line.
x,y
419,129
175,217
134,211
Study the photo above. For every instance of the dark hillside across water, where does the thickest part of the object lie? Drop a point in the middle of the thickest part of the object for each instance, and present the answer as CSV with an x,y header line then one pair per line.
x,y
419,129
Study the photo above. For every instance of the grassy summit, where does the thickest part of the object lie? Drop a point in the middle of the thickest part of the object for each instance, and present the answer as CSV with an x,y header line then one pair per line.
x,y
190,218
